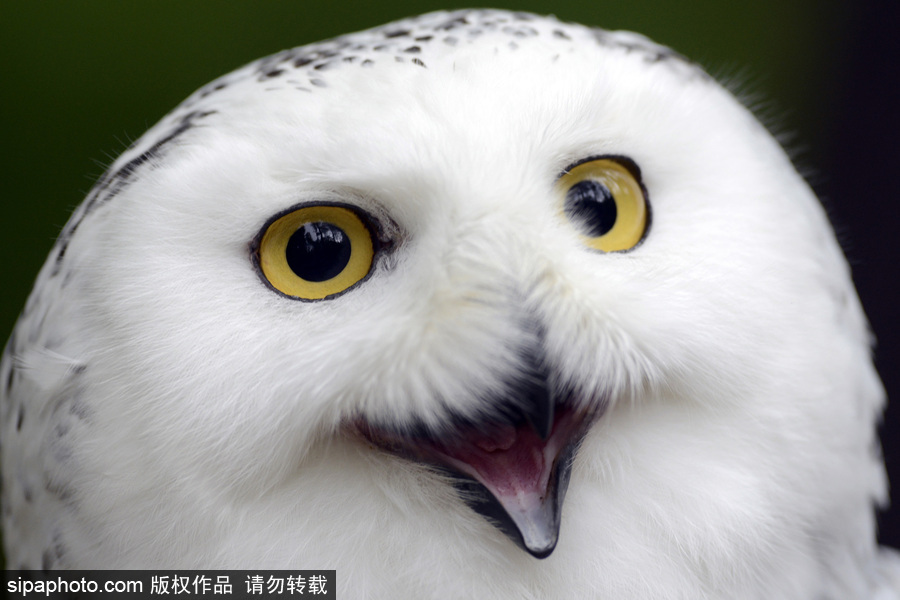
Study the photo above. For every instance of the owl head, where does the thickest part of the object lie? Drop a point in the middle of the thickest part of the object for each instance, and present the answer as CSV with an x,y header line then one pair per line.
x,y
446,290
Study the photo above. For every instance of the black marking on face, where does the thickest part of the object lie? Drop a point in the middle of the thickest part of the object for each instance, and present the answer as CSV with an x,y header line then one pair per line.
x,y
59,490
211,89
59,548
48,561
652,53
10,364
523,32
453,23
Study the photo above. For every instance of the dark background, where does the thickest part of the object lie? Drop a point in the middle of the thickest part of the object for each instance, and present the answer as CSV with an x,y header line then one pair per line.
x,y
80,80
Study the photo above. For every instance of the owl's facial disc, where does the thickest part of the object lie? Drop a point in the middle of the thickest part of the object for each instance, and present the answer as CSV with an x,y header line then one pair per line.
x,y
514,470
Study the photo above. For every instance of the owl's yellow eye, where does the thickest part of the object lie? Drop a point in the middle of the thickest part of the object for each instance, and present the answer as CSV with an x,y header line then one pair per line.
x,y
316,251
607,204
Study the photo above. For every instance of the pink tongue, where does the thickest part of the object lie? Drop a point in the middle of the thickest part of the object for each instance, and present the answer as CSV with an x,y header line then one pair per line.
x,y
515,466
519,469
524,473
512,462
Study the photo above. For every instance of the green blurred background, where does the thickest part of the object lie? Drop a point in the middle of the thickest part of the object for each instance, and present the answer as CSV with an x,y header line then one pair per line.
x,y
82,79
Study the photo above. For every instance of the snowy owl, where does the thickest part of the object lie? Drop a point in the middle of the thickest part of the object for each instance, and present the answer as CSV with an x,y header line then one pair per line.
x,y
477,304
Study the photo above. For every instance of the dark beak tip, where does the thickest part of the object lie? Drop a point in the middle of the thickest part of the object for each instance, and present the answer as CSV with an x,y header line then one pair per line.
x,y
541,553
537,533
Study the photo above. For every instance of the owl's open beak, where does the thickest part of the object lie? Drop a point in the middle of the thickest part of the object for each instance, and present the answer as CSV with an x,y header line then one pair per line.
x,y
516,478
514,473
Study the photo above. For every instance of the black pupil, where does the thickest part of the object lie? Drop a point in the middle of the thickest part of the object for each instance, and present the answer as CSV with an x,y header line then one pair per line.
x,y
591,204
318,251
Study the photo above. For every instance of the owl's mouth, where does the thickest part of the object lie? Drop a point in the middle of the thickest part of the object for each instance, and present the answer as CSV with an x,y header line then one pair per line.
x,y
513,469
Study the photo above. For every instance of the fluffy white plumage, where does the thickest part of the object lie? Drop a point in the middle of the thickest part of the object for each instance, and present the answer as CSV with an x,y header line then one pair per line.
x,y
164,407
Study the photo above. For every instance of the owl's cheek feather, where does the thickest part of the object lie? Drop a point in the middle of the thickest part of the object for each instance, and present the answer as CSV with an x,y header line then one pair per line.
x,y
509,473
